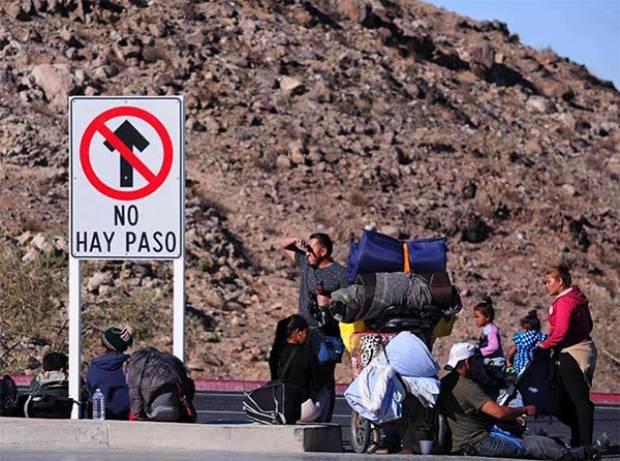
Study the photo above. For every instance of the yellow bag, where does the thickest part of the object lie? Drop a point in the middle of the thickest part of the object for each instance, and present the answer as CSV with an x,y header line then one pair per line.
x,y
348,329
444,327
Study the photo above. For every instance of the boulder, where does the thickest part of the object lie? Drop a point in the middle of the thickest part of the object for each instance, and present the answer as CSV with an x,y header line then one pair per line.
x,y
283,162
290,84
538,104
56,81
355,10
482,58
97,280
474,229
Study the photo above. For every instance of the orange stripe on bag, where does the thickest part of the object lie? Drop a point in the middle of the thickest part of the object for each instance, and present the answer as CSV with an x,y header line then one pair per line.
x,y
406,264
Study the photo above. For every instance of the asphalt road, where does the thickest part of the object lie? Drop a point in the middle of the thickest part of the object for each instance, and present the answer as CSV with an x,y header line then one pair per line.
x,y
215,407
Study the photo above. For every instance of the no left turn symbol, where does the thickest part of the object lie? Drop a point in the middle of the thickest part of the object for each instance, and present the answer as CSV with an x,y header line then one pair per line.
x,y
122,140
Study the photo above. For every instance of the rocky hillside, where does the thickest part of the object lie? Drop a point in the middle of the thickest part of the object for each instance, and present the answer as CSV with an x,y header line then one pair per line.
x,y
303,116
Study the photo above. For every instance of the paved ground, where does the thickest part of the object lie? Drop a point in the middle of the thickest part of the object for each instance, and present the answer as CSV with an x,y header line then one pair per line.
x,y
214,407
226,407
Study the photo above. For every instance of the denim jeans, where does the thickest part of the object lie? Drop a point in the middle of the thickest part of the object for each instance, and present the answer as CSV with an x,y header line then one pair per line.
x,y
495,447
536,446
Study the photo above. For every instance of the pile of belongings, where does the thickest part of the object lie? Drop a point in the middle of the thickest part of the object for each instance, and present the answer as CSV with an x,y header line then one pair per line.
x,y
405,366
405,294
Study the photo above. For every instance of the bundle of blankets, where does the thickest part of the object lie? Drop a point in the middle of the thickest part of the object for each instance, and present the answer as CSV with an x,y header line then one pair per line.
x,y
408,293
405,366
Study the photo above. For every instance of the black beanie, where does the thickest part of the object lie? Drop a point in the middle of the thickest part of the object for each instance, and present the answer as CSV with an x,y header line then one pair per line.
x,y
117,339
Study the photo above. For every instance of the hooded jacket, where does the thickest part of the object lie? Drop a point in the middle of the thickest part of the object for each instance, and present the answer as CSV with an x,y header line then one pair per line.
x,y
569,320
106,373
53,382
149,372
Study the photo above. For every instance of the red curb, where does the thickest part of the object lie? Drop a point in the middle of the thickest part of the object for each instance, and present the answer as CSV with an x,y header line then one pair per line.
x,y
598,398
601,398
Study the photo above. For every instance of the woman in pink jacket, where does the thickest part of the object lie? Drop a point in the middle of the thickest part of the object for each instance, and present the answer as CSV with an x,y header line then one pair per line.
x,y
569,336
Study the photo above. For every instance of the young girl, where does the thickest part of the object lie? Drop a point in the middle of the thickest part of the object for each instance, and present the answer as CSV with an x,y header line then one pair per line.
x,y
525,341
490,343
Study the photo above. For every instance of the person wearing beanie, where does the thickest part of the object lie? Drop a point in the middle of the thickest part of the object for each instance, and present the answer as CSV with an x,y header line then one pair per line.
x,y
107,374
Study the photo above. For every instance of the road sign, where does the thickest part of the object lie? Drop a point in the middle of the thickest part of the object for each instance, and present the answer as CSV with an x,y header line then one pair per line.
x,y
127,177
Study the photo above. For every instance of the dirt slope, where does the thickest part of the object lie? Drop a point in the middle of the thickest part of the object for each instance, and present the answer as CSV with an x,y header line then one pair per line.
x,y
308,115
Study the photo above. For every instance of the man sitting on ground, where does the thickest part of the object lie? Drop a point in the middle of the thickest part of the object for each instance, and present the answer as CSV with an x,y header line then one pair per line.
x,y
49,390
471,415
106,372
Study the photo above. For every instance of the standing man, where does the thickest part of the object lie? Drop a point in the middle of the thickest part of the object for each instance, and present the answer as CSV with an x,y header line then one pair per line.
x,y
314,258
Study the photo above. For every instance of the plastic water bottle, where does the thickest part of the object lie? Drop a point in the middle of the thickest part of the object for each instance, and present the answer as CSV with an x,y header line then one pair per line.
x,y
98,405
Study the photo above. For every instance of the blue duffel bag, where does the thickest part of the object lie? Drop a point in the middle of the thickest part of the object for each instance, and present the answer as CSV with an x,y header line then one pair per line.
x,y
427,255
376,252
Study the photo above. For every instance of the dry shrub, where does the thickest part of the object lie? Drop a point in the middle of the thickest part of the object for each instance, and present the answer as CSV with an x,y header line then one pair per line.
x,y
30,306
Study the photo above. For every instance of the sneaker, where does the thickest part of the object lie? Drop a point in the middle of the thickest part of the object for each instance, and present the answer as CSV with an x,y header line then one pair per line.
x,y
602,443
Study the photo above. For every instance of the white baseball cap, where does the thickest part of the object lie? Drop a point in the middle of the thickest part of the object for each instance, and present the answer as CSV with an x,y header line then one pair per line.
x,y
460,351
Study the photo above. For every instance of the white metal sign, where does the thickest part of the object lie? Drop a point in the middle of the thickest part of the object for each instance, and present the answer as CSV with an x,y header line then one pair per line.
x,y
127,177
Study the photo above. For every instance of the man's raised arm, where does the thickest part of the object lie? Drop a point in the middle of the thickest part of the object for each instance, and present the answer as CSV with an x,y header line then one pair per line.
x,y
292,245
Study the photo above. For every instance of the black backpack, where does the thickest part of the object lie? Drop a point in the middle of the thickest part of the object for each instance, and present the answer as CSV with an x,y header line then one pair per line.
x,y
8,396
276,402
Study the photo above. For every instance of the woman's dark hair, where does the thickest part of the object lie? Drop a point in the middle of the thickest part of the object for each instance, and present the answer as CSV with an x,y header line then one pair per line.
x,y
284,328
531,321
295,322
561,271
486,309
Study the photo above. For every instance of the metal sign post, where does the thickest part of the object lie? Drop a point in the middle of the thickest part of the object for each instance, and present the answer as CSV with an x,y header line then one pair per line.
x,y
178,322
75,343
127,196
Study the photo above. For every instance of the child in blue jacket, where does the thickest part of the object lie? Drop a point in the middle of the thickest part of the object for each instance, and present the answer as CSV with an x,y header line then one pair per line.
x,y
107,374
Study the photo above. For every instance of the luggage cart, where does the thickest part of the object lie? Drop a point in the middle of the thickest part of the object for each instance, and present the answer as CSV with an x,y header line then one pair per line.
x,y
367,437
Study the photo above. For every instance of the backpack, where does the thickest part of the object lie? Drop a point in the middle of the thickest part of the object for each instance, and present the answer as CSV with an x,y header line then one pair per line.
x,y
8,396
48,406
275,402
169,404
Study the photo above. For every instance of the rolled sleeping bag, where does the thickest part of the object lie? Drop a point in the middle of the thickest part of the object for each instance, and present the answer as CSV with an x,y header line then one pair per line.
x,y
379,291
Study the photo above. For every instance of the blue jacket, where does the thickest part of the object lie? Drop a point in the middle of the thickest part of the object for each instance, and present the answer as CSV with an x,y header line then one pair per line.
x,y
106,373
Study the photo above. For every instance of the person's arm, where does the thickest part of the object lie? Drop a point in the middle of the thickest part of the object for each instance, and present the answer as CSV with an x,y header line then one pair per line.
x,y
493,342
564,312
293,245
496,411
511,355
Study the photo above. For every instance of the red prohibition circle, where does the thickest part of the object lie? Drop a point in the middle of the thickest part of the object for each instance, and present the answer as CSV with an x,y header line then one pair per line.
x,y
98,125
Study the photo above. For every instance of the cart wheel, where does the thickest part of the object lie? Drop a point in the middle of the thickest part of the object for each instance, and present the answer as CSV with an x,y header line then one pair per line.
x,y
361,432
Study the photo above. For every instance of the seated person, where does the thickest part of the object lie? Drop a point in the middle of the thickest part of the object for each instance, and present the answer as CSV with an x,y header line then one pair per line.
x,y
293,362
106,372
471,415
160,388
49,390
